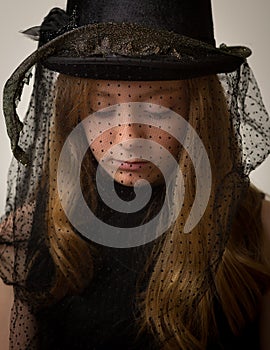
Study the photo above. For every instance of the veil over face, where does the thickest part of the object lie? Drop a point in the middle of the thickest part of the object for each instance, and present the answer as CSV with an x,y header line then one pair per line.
x,y
114,98
126,164
247,126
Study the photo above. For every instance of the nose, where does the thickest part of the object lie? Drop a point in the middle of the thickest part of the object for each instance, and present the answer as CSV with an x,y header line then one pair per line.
x,y
130,141
130,128
130,136
131,131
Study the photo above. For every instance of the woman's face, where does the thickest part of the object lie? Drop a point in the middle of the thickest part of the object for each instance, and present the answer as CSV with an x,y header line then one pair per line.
x,y
128,160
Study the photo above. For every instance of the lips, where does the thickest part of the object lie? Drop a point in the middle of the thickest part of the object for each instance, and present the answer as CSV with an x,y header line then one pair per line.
x,y
136,161
131,165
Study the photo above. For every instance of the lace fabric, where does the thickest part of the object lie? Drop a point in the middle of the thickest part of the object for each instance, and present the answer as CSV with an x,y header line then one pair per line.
x,y
23,235
31,231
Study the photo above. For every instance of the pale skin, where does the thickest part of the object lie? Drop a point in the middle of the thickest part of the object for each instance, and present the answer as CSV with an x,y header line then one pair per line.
x,y
108,93
131,92
6,301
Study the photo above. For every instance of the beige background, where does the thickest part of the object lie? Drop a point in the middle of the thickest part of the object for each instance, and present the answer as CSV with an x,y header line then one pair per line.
x,y
243,22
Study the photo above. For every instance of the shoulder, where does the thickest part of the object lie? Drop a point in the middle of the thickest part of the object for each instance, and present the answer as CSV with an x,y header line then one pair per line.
x,y
21,219
6,301
15,233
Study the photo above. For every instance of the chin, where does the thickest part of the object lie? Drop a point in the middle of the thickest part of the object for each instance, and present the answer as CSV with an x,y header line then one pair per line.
x,y
127,180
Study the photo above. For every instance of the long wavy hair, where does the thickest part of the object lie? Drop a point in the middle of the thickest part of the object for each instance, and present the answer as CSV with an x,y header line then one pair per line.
x,y
185,272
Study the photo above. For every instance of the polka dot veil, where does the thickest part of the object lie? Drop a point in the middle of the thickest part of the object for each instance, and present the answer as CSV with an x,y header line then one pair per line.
x,y
137,173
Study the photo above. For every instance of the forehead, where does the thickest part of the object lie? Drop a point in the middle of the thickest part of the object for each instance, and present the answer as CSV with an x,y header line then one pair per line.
x,y
136,87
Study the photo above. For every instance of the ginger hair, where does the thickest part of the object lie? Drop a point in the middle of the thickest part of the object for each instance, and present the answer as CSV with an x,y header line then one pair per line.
x,y
183,279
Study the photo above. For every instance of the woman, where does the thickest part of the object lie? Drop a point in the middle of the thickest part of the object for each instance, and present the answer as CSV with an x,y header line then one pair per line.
x,y
198,286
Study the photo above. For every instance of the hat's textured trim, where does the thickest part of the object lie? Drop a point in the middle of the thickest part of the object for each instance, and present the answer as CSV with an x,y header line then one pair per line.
x,y
134,40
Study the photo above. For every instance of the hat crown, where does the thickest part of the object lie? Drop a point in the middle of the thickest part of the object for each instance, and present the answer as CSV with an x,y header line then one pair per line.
x,y
192,18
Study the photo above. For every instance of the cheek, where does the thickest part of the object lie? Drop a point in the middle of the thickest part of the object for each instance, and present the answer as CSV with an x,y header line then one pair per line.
x,y
166,140
104,142
173,146
101,144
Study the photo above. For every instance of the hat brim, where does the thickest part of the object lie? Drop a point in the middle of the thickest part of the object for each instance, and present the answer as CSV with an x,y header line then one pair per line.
x,y
127,51
127,68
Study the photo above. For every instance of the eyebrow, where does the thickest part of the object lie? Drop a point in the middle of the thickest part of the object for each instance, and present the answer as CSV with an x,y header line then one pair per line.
x,y
106,93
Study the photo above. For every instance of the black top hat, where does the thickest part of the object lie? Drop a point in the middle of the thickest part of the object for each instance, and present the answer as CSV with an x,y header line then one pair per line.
x,y
123,40
136,40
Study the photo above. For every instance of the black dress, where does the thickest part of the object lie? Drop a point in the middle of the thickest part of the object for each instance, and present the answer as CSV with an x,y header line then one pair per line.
x,y
102,317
